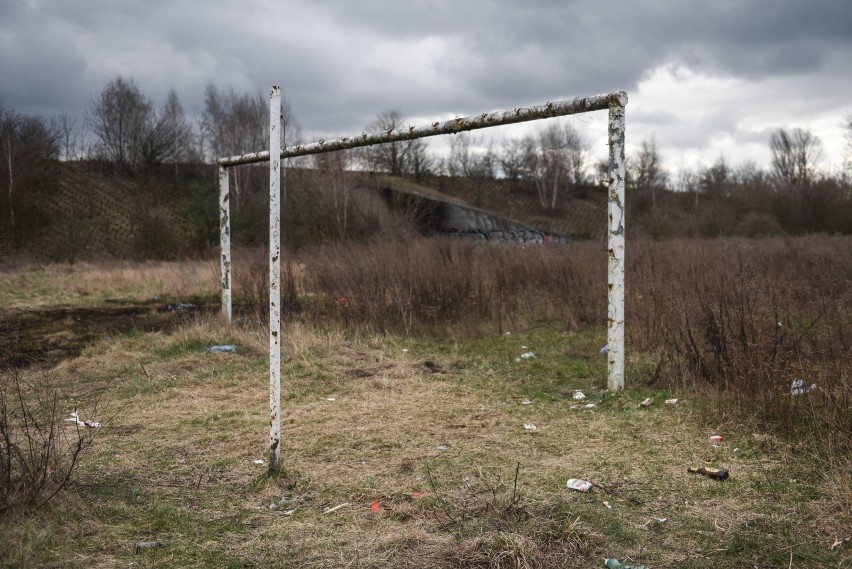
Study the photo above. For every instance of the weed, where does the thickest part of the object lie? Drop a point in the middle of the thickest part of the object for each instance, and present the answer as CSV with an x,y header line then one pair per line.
x,y
38,452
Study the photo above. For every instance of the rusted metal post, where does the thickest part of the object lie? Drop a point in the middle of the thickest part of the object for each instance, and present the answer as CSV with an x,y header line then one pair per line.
x,y
275,280
615,245
225,241
461,124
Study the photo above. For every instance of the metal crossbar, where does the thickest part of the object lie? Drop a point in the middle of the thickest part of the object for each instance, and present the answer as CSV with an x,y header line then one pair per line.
x,y
461,124
614,102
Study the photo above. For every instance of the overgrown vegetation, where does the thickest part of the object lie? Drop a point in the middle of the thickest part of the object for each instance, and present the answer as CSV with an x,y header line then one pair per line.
x,y
745,318
38,450
405,441
742,318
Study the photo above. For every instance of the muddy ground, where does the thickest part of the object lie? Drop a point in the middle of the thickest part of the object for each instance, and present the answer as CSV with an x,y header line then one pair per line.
x,y
41,338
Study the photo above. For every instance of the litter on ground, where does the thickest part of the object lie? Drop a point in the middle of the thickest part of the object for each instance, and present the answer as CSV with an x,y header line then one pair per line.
x,y
74,418
615,564
579,485
226,348
526,356
798,387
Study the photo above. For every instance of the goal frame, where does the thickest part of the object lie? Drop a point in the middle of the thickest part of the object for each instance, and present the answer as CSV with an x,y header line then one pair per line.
x,y
614,102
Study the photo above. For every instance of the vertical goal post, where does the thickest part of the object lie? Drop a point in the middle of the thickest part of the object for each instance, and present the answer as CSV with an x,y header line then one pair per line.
x,y
614,102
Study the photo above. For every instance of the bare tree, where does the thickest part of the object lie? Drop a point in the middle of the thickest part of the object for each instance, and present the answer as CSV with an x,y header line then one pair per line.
x,y
181,144
128,130
408,158
234,123
645,170
794,156
29,146
466,161
118,117
512,157
66,126
716,180
332,174
553,160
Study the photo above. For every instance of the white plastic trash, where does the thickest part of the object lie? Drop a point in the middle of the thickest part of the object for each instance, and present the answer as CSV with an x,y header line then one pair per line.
x,y
579,485
798,387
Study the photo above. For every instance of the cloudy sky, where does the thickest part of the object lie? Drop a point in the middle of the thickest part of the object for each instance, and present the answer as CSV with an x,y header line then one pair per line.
x,y
705,78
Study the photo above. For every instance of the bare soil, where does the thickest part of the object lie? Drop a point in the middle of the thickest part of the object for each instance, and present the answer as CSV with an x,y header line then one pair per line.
x,y
43,337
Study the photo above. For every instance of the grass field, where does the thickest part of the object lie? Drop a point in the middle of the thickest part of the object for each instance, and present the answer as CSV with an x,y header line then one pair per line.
x,y
399,450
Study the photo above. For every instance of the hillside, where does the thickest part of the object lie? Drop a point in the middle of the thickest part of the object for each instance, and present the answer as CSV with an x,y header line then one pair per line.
x,y
94,212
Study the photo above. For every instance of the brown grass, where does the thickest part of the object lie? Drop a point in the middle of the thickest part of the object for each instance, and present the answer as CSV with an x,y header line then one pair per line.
x,y
743,317
176,463
93,284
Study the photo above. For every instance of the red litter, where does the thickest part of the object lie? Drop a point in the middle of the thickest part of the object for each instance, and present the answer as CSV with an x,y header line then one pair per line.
x,y
375,506
717,438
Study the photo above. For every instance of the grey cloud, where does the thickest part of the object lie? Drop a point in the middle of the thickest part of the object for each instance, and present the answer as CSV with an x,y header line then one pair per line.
x,y
340,62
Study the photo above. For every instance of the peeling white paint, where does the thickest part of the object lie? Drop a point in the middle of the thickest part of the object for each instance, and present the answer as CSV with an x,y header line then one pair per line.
x,y
614,101
615,246
485,120
275,280
225,241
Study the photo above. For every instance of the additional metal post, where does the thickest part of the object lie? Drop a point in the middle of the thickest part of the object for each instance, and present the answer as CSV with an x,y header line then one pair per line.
x,y
615,247
274,280
225,241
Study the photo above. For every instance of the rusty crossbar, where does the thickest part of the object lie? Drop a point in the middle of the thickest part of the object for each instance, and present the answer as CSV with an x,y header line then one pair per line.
x,y
461,124
614,102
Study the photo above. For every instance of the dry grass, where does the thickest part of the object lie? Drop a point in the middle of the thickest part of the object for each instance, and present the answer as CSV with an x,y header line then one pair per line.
x,y
176,463
421,414
94,284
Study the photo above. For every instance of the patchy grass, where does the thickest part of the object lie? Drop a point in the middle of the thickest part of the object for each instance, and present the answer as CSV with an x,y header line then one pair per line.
x,y
118,283
432,430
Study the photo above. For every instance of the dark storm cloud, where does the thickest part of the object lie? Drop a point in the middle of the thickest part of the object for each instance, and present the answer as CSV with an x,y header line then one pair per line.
x,y
340,62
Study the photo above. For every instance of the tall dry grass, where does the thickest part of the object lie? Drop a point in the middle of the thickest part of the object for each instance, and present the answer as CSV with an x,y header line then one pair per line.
x,y
427,284
749,318
745,318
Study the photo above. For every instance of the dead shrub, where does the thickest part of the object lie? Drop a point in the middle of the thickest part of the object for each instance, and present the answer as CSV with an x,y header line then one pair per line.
x,y
251,273
38,450
748,318
434,283
496,528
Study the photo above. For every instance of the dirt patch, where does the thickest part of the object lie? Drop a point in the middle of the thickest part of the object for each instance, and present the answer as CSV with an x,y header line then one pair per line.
x,y
44,337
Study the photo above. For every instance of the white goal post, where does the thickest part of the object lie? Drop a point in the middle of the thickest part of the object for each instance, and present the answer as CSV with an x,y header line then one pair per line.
x,y
614,102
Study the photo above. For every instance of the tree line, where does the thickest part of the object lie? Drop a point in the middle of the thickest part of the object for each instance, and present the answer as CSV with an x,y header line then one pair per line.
x,y
124,129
